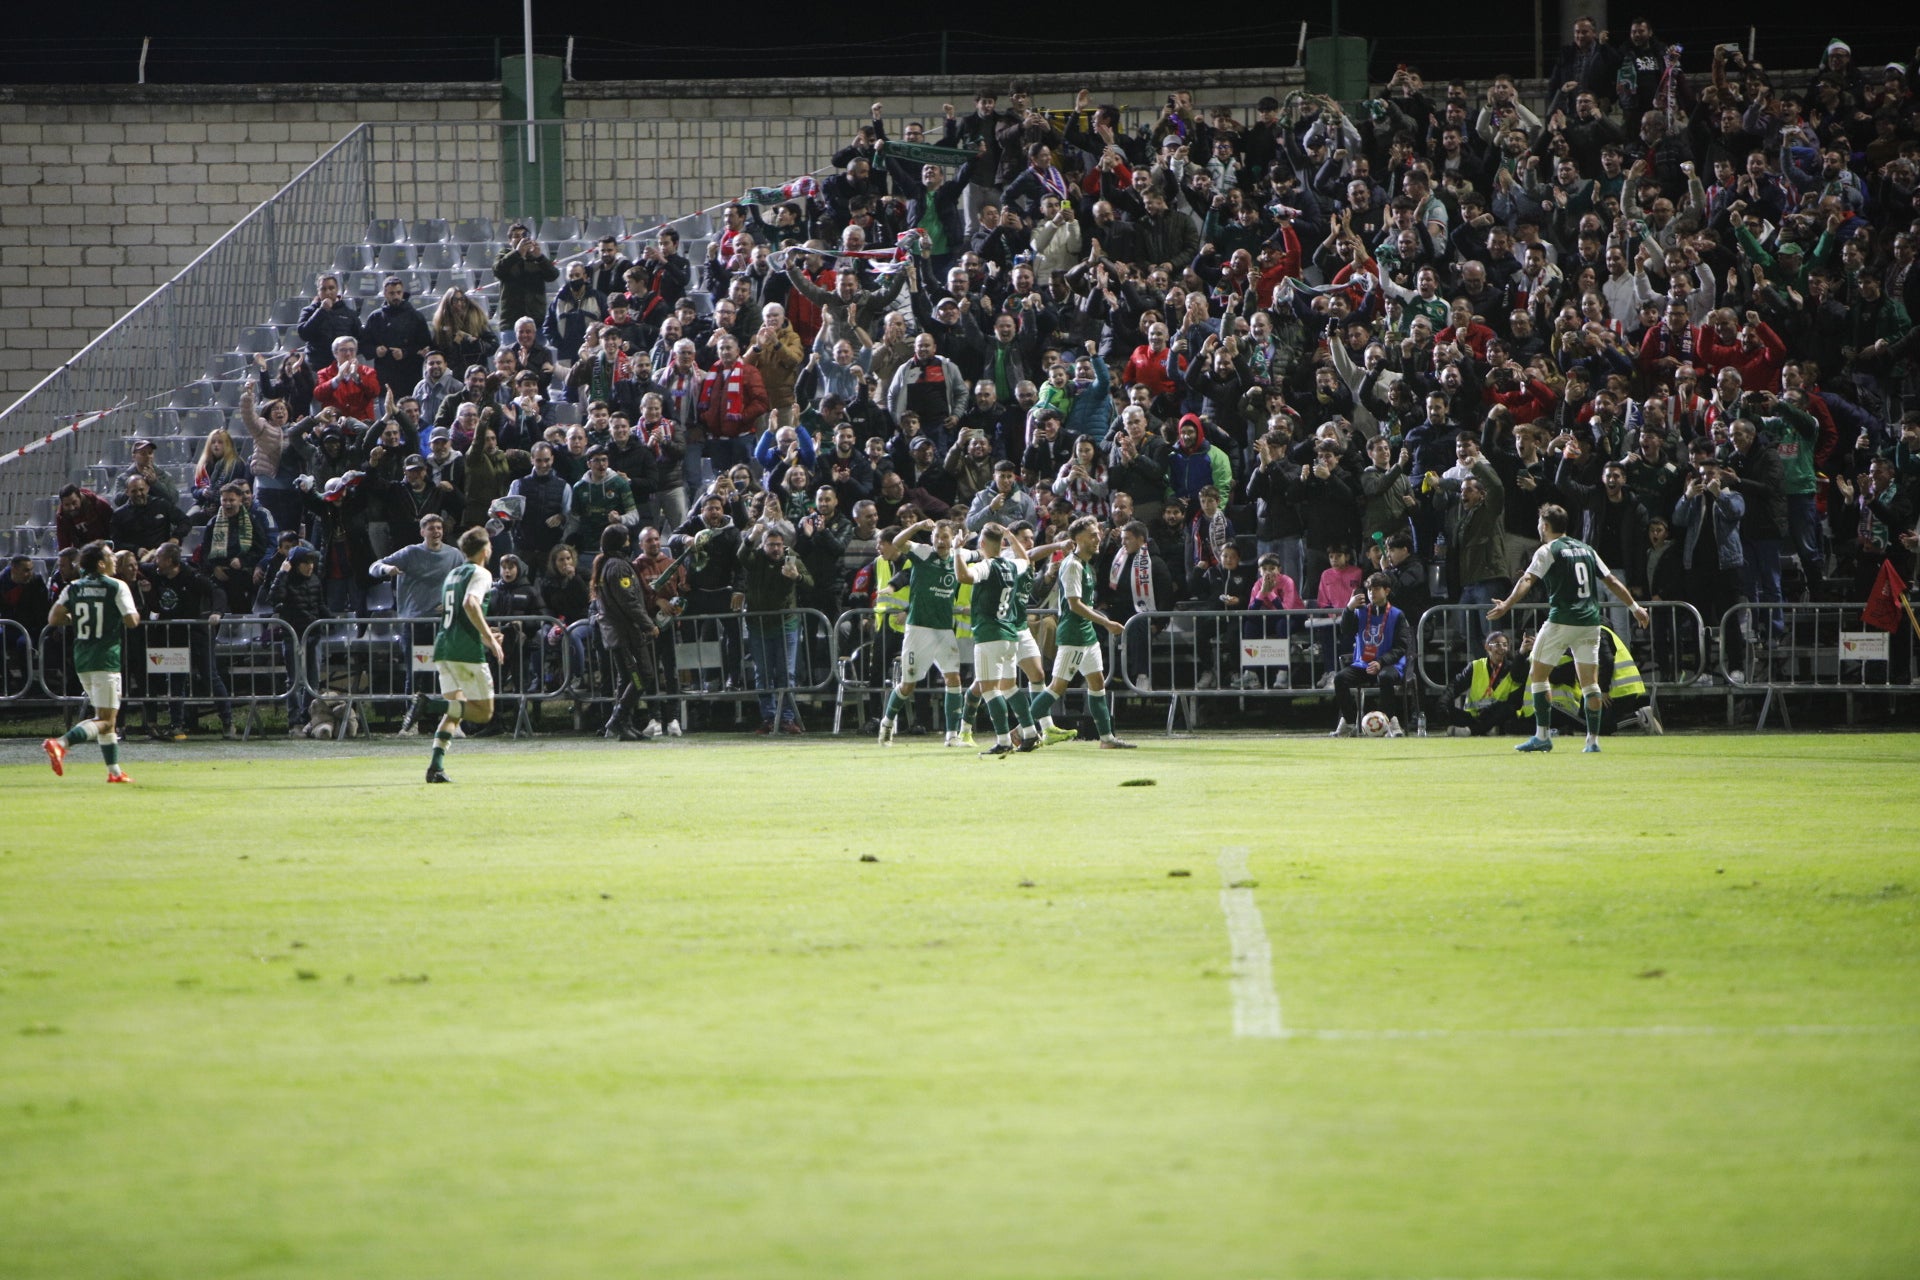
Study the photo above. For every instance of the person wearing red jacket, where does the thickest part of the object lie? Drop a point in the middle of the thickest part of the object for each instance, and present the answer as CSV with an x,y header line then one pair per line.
x,y
347,385
1466,329
1524,396
1154,365
84,517
1753,348
1668,345
1280,260
733,399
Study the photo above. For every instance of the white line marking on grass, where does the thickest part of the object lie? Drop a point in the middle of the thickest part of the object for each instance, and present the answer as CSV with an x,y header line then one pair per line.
x,y
1256,1006
1582,1033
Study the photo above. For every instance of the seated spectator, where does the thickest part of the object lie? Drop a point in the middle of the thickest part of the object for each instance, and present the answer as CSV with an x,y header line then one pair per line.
x,y
1383,637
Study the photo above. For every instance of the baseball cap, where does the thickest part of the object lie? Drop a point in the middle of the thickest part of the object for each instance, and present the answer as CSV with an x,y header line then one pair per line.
x,y
440,433
142,443
921,440
414,460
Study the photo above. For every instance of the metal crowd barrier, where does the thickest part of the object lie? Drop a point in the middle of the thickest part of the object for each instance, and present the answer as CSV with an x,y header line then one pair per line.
x,y
19,664
381,663
187,663
1815,647
1671,655
1188,655
710,658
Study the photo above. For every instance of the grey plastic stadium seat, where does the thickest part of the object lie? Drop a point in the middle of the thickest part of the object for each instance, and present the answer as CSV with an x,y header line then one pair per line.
x,y
385,231
439,257
560,227
603,225
350,257
287,310
393,257
190,396
428,231
473,231
258,338
567,415
197,422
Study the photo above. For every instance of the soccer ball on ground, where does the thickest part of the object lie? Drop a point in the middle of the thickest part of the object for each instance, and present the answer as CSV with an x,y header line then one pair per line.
x,y
1374,724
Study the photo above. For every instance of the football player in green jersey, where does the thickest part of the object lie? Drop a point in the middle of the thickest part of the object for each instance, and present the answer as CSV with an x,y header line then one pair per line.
x,y
931,643
1079,643
100,607
1573,573
462,643
998,589
1021,700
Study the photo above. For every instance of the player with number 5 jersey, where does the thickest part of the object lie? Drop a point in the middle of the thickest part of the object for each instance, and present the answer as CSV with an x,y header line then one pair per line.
x,y
1573,574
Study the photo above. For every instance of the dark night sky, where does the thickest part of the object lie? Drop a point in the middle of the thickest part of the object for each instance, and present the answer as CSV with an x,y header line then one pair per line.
x,y
225,42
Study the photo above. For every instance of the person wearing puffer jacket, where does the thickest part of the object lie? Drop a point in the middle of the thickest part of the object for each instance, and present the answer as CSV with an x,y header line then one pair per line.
x,y
1194,463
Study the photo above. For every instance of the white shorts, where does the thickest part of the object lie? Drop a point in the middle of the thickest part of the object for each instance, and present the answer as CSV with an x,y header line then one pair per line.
x,y
1029,647
996,659
926,649
1070,660
473,679
102,689
1557,638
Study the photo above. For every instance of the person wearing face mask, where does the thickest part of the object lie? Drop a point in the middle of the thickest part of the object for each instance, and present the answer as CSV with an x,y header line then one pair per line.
x,y
572,310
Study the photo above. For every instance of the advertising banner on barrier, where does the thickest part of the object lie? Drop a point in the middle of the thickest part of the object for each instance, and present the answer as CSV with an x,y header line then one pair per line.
x,y
1265,651
170,661
423,657
1863,646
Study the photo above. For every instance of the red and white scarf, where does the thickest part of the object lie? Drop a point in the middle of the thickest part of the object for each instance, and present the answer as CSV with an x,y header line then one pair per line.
x,y
1139,580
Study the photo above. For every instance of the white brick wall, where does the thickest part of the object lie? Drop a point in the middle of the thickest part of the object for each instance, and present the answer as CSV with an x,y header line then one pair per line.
x,y
102,202
107,195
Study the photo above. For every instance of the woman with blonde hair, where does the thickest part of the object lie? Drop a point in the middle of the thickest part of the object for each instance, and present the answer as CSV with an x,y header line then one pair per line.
x,y
460,331
219,462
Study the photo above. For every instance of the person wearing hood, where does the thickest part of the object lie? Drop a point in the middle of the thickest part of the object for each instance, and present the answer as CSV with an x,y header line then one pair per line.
x,y
575,307
1195,463
397,336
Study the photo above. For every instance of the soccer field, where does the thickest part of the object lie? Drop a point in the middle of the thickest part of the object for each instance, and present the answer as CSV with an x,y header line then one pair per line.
x,y
650,1011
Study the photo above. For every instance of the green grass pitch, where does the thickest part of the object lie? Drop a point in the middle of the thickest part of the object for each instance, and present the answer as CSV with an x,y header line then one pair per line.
x,y
646,1011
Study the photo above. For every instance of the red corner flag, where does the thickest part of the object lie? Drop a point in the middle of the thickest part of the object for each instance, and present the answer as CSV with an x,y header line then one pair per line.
x,y
1884,601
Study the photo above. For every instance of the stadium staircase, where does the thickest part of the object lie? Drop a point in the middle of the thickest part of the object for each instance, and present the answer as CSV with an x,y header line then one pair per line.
x,y
429,254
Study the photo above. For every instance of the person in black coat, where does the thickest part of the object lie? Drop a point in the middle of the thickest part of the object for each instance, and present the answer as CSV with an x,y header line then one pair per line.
x,y
396,336
327,317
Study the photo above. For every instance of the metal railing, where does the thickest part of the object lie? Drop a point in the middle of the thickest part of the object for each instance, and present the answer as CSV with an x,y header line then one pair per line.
x,y
1671,655
1802,648
185,667
164,341
378,664
1191,655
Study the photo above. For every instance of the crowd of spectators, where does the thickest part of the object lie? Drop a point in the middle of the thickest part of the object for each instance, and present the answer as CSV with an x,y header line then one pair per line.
x,y
1297,348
